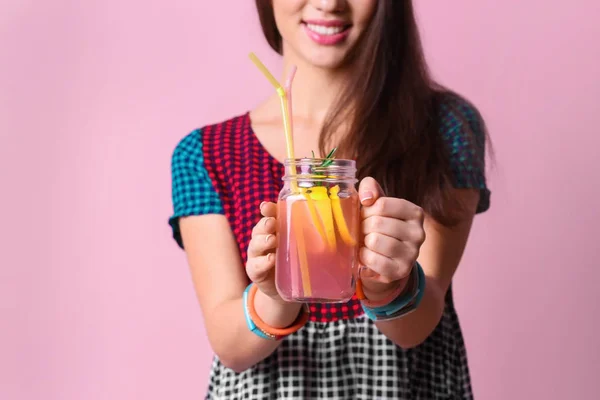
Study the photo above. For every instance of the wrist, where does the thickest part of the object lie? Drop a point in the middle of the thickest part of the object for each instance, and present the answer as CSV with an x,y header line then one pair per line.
x,y
275,311
377,291
400,302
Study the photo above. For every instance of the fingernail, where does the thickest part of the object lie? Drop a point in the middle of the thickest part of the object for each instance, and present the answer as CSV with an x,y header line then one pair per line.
x,y
267,220
270,257
366,195
261,205
268,237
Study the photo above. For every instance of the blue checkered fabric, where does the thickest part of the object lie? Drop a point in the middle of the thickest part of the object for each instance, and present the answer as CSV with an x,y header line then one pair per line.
x,y
192,188
464,134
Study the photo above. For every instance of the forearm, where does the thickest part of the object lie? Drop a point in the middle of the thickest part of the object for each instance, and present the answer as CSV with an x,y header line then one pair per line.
x,y
412,329
235,345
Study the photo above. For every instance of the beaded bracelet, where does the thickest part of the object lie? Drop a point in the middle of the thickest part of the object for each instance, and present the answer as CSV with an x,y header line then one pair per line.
x,y
403,303
260,328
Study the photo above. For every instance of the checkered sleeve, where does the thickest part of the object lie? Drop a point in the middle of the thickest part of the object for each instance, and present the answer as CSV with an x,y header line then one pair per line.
x,y
464,134
192,189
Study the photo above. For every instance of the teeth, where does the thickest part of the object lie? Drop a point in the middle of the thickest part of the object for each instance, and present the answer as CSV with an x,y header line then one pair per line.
x,y
325,30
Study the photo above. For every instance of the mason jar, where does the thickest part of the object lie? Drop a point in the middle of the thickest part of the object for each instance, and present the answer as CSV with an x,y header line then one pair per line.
x,y
318,217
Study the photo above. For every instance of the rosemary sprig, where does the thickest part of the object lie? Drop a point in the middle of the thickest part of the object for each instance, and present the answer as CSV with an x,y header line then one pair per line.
x,y
326,163
329,159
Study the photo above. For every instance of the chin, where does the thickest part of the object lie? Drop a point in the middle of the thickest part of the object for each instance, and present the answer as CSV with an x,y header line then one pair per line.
x,y
326,59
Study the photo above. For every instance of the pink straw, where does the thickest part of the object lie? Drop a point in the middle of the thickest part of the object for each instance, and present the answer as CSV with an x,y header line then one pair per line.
x,y
290,79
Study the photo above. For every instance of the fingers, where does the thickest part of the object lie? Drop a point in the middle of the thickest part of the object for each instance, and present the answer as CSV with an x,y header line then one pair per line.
x,y
390,256
392,227
263,234
268,209
260,269
390,269
369,191
387,270
263,237
394,208
261,256
389,247
265,226
261,245
393,233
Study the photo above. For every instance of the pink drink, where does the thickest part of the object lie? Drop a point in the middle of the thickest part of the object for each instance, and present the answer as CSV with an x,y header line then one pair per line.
x,y
317,251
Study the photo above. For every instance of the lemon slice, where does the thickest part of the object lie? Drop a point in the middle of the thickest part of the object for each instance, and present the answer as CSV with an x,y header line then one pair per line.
x,y
338,214
318,195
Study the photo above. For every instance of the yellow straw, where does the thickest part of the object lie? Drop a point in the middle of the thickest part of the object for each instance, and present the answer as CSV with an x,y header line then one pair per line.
x,y
288,91
289,140
287,127
285,112
267,74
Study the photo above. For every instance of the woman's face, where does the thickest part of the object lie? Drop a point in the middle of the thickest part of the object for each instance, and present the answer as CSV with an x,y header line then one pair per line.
x,y
322,32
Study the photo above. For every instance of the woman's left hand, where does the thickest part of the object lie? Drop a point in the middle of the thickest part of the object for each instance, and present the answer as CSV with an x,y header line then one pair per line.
x,y
393,233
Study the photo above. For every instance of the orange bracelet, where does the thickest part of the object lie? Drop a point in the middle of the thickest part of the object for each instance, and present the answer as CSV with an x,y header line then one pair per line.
x,y
269,330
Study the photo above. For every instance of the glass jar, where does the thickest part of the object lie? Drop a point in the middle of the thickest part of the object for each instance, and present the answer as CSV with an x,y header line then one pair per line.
x,y
318,217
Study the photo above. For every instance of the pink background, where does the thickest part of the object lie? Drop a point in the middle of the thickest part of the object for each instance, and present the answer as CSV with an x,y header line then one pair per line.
x,y
95,299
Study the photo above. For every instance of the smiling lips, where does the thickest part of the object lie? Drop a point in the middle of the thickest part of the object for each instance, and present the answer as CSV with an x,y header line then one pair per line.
x,y
326,33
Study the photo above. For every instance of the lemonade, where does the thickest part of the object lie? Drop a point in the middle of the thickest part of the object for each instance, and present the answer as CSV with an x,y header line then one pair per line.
x,y
318,227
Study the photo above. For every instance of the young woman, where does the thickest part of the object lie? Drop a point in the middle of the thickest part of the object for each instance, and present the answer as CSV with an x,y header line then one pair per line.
x,y
362,86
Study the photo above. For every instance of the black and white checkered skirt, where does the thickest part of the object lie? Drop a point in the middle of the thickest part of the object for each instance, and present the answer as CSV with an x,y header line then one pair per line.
x,y
352,359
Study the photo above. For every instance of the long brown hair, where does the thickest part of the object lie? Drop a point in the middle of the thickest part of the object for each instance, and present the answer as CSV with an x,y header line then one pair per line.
x,y
393,124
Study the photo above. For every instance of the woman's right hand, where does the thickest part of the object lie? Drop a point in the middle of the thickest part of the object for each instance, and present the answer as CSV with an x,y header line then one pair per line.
x,y
260,266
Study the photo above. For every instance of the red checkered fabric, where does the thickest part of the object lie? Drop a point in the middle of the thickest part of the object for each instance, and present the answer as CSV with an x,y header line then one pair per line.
x,y
244,174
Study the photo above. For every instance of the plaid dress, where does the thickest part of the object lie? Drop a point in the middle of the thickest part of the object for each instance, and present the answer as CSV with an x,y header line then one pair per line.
x,y
339,354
